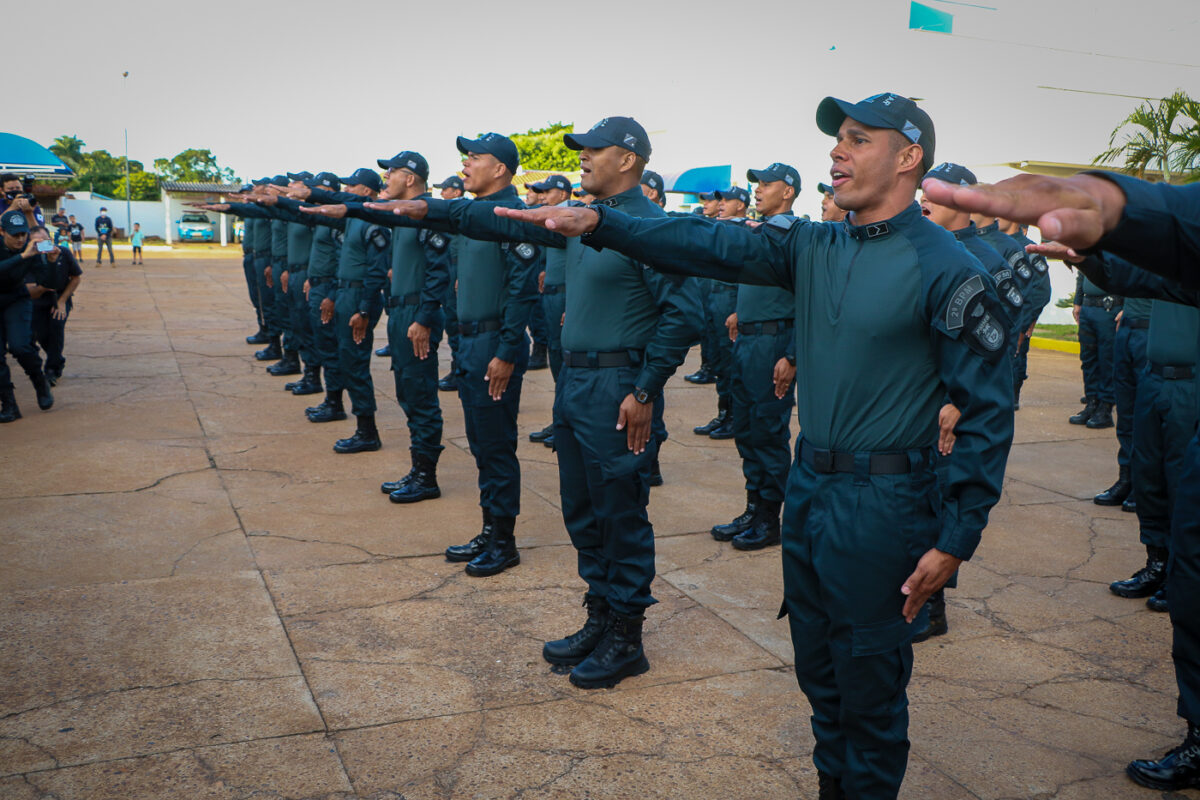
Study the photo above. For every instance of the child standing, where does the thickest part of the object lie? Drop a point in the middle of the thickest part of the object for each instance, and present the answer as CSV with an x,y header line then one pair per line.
x,y
136,240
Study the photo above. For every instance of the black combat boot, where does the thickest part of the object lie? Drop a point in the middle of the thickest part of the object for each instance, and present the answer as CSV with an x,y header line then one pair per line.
x,y
1147,580
1178,769
310,383
288,365
365,438
1158,601
538,358
272,352
741,523
9,411
329,411
655,477
422,486
1129,506
387,487
41,387
1086,413
499,551
543,434
764,531
725,429
548,442
829,787
618,655
702,375
259,338
715,422
1102,417
450,382
581,643
1017,397
938,626
385,351
468,551
1116,494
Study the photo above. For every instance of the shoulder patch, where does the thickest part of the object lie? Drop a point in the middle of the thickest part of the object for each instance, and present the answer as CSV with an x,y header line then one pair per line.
x,y
781,221
987,332
378,236
525,251
956,309
437,241
1039,263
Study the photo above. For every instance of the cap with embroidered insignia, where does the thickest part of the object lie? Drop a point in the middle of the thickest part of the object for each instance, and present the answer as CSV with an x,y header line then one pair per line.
x,y
613,132
407,159
493,144
775,172
886,110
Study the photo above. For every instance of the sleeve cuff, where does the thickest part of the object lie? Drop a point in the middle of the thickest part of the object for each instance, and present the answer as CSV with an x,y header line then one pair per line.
x,y
652,383
426,319
958,542
508,353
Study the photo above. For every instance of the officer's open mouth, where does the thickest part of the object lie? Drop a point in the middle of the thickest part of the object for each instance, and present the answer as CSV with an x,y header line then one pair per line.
x,y
838,177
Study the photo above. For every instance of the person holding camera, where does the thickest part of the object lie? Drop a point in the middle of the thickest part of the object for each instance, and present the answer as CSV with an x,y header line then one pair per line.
x,y
104,233
52,277
16,314
17,194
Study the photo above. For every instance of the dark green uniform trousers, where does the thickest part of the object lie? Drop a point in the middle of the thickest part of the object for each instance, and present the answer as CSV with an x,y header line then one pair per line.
x,y
721,302
324,352
283,308
492,424
252,284
761,421
1096,330
1183,585
354,360
554,303
1129,361
604,486
266,296
1165,421
853,648
298,311
416,383
450,310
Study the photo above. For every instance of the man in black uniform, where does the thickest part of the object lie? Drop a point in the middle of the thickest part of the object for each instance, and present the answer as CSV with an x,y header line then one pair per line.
x,y
1129,362
451,189
258,236
710,207
52,279
555,191
1096,313
830,211
289,357
892,316
16,315
259,336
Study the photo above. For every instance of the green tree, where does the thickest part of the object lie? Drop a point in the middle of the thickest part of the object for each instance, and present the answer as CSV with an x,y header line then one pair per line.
x,y
1159,135
142,185
70,150
199,166
543,148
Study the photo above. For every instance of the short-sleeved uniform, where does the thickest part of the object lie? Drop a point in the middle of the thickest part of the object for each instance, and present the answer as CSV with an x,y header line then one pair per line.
x,y
891,318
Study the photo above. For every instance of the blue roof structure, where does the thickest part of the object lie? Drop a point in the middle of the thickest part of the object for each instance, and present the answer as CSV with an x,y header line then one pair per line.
x,y
699,179
18,154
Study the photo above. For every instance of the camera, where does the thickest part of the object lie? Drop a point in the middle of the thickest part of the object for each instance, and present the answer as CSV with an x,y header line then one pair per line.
x,y
45,246
27,185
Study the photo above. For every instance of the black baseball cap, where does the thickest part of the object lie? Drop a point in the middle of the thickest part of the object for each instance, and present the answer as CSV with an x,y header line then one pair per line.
x,y
279,180
363,176
953,173
493,144
553,182
246,187
261,181
654,181
713,195
453,182
324,180
734,193
887,110
776,172
579,191
824,188
299,177
407,159
613,132
14,223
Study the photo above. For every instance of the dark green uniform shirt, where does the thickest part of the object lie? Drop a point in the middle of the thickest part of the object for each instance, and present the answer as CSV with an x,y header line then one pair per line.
x,y
891,317
764,303
1135,309
279,243
299,245
1174,333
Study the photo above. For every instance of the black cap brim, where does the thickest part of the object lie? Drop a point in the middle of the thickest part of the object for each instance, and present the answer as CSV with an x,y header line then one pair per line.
x,y
578,141
762,176
824,188
832,112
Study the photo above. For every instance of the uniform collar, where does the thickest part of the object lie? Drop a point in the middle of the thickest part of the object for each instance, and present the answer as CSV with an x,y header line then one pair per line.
x,y
507,193
995,226
625,199
965,233
885,228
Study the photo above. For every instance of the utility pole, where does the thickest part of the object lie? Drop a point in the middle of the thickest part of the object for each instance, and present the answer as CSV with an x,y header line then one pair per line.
x,y
128,205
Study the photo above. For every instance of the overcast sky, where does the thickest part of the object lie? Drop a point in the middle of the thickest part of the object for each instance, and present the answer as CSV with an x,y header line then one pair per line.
x,y
270,86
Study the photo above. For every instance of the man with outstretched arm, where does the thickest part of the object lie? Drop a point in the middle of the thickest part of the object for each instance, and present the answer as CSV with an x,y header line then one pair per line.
x,y
892,316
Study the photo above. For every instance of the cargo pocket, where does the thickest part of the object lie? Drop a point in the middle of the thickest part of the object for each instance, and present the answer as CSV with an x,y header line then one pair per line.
x,y
874,638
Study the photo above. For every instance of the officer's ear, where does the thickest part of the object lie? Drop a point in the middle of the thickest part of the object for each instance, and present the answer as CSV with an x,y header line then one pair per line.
x,y
789,193
632,161
909,156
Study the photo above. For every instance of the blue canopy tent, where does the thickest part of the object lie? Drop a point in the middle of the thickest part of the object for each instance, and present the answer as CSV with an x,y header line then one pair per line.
x,y
27,157
692,181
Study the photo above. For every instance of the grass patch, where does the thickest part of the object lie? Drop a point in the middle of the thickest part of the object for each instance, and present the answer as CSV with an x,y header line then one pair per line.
x,y
1063,333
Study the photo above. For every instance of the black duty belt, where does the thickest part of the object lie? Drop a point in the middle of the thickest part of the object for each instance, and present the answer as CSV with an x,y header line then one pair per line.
x,y
350,284
591,358
1172,373
1108,302
719,286
769,328
481,326
319,280
553,288
410,299
298,267
1135,324
828,461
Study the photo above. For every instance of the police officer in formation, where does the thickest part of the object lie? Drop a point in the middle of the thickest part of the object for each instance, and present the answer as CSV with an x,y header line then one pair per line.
x,y
1156,227
1096,312
763,371
451,189
879,346
710,207
17,251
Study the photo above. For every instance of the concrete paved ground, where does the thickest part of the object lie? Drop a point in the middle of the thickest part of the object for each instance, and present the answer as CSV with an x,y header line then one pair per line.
x,y
201,600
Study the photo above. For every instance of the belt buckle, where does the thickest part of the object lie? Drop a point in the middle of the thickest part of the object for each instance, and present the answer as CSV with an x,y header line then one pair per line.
x,y
822,460
1108,302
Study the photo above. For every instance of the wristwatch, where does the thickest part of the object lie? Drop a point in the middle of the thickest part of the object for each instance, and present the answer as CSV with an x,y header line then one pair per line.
x,y
641,395
791,360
